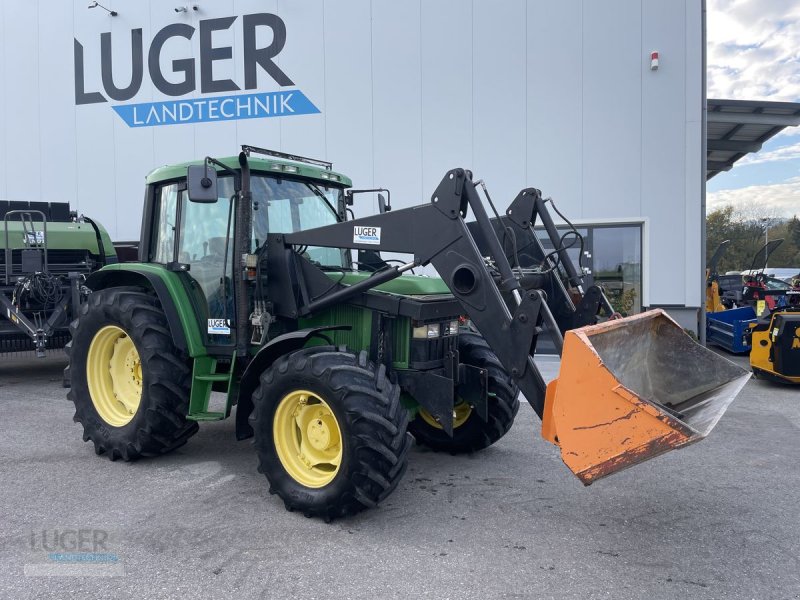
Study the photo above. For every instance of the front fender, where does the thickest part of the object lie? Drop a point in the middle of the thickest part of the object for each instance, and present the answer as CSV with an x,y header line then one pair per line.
x,y
127,274
283,344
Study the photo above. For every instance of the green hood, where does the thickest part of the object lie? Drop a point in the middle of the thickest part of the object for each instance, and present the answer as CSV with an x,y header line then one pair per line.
x,y
405,285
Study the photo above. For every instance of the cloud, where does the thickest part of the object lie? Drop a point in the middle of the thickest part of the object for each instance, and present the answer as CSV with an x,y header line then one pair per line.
x,y
754,49
789,132
790,152
777,200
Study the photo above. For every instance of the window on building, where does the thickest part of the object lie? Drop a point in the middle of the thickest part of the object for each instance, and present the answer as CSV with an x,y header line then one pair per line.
x,y
617,265
613,256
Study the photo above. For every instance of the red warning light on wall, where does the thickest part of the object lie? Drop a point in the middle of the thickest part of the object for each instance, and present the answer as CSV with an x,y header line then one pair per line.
x,y
654,60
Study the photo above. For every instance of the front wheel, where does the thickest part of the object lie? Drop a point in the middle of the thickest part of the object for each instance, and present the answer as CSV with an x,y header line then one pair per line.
x,y
330,432
470,432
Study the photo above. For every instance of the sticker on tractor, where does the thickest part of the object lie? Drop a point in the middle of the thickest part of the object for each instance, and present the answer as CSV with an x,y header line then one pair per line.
x,y
219,327
366,235
34,237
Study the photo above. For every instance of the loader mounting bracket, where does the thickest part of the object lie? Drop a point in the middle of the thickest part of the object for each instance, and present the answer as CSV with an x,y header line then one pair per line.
x,y
434,392
473,388
449,198
588,307
523,329
521,210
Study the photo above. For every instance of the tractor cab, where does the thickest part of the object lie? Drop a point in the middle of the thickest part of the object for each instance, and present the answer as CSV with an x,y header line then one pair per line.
x,y
289,194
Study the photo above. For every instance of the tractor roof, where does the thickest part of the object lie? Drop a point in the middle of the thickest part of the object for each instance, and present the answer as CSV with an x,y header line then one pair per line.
x,y
261,165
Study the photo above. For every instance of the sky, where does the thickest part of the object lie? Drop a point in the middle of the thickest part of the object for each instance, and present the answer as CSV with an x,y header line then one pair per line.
x,y
754,54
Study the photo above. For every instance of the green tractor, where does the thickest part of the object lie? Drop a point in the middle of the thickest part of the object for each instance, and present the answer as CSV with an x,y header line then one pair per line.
x,y
246,285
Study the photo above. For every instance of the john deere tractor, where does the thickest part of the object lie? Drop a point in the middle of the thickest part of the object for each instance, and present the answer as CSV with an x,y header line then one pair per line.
x,y
247,285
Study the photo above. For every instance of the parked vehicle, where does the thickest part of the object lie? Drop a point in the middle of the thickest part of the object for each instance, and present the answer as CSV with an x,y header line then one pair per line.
x,y
46,256
246,285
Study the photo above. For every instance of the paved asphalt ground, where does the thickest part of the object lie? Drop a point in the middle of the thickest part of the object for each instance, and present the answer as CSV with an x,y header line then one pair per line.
x,y
719,519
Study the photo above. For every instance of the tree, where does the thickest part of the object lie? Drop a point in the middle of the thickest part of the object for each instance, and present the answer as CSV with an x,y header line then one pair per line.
x,y
793,229
746,231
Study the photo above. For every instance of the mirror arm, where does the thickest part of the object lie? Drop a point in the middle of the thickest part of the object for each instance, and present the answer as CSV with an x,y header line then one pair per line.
x,y
348,195
237,178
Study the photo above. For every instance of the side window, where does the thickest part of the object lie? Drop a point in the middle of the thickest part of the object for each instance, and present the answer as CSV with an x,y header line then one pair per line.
x,y
164,225
206,245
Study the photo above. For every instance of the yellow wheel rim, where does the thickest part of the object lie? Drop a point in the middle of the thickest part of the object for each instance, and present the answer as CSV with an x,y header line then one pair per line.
x,y
307,438
114,375
461,413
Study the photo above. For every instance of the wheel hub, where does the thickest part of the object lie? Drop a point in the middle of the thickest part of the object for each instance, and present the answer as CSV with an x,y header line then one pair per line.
x,y
322,432
461,412
307,438
114,375
133,365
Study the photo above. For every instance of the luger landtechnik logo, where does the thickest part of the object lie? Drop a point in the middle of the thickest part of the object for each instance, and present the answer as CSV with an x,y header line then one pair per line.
x,y
183,78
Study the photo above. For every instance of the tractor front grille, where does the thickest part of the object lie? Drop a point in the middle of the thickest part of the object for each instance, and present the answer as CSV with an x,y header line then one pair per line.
x,y
430,353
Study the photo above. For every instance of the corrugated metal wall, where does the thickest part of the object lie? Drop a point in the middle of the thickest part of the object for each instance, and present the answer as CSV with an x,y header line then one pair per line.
x,y
551,93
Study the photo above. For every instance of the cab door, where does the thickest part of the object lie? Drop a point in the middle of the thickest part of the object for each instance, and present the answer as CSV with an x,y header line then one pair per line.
x,y
196,240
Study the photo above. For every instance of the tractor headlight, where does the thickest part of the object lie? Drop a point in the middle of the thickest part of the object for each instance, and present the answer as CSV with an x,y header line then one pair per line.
x,y
450,328
426,331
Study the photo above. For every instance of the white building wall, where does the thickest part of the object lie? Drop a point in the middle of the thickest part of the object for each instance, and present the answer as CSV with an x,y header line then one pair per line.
x,y
553,94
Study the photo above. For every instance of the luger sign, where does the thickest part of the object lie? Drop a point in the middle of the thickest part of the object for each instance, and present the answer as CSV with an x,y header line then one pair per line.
x,y
184,78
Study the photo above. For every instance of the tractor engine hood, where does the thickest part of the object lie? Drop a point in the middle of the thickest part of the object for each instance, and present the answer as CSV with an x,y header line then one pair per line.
x,y
417,286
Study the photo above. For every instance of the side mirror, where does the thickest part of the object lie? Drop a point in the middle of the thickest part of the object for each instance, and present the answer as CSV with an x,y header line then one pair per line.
x,y
383,204
383,201
201,183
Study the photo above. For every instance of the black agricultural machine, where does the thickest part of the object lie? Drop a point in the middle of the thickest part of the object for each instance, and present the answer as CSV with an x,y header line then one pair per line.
x,y
46,255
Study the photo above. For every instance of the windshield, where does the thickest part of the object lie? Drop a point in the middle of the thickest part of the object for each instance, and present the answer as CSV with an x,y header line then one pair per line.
x,y
776,284
286,206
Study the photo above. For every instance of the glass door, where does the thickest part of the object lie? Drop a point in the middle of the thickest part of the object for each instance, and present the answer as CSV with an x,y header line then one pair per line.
x,y
616,264
206,245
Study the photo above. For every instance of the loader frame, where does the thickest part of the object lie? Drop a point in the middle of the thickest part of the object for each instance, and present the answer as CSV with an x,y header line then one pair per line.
x,y
435,233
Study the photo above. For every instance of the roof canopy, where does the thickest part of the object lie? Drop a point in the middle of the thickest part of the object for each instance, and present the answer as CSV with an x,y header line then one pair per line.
x,y
738,127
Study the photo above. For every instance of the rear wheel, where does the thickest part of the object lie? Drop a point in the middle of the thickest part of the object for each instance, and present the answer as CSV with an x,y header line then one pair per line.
x,y
130,385
470,432
330,432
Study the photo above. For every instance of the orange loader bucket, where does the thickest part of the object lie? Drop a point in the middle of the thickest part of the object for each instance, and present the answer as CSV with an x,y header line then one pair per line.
x,y
631,389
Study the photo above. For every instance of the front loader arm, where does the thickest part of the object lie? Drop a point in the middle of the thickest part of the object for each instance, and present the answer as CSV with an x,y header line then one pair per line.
x,y
628,389
435,234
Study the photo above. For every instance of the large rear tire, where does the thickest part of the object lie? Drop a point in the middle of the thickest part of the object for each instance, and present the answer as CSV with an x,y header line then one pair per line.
x,y
330,432
130,384
470,432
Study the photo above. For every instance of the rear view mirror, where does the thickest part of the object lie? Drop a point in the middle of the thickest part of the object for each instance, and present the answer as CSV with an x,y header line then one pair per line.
x,y
202,184
383,204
